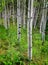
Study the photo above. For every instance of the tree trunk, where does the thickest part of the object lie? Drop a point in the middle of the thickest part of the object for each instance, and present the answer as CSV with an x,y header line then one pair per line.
x,y
8,15
29,28
13,15
24,15
43,22
18,21
5,22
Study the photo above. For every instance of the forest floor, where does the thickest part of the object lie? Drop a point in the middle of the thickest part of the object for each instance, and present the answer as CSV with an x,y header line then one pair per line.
x,y
12,51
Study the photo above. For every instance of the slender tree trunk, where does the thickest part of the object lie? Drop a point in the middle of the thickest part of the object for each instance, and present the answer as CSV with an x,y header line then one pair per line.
x,y
8,15
29,28
34,10
43,22
10,10
35,19
24,15
8,19
13,15
18,21
5,22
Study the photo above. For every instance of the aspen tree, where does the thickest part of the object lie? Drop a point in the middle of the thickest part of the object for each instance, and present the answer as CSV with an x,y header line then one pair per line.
x,y
29,28
43,22
13,15
5,22
24,15
18,21
13,12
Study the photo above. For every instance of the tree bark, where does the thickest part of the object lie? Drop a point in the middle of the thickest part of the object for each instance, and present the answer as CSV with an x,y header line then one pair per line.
x,y
18,21
29,28
24,15
43,22
5,22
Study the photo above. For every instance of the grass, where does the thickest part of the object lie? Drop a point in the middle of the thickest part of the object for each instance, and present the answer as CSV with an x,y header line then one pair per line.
x,y
11,52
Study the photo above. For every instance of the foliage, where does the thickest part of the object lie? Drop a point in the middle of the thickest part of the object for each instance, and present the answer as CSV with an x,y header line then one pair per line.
x,y
12,55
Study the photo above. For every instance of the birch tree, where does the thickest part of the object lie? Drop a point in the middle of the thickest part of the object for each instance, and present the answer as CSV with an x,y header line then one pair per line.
x,y
22,11
29,28
18,21
4,15
5,22
43,22
24,15
13,15
13,12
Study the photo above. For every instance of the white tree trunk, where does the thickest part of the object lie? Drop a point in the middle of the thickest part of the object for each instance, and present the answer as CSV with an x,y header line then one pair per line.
x,y
43,22
8,16
5,22
29,28
24,15
13,15
18,21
